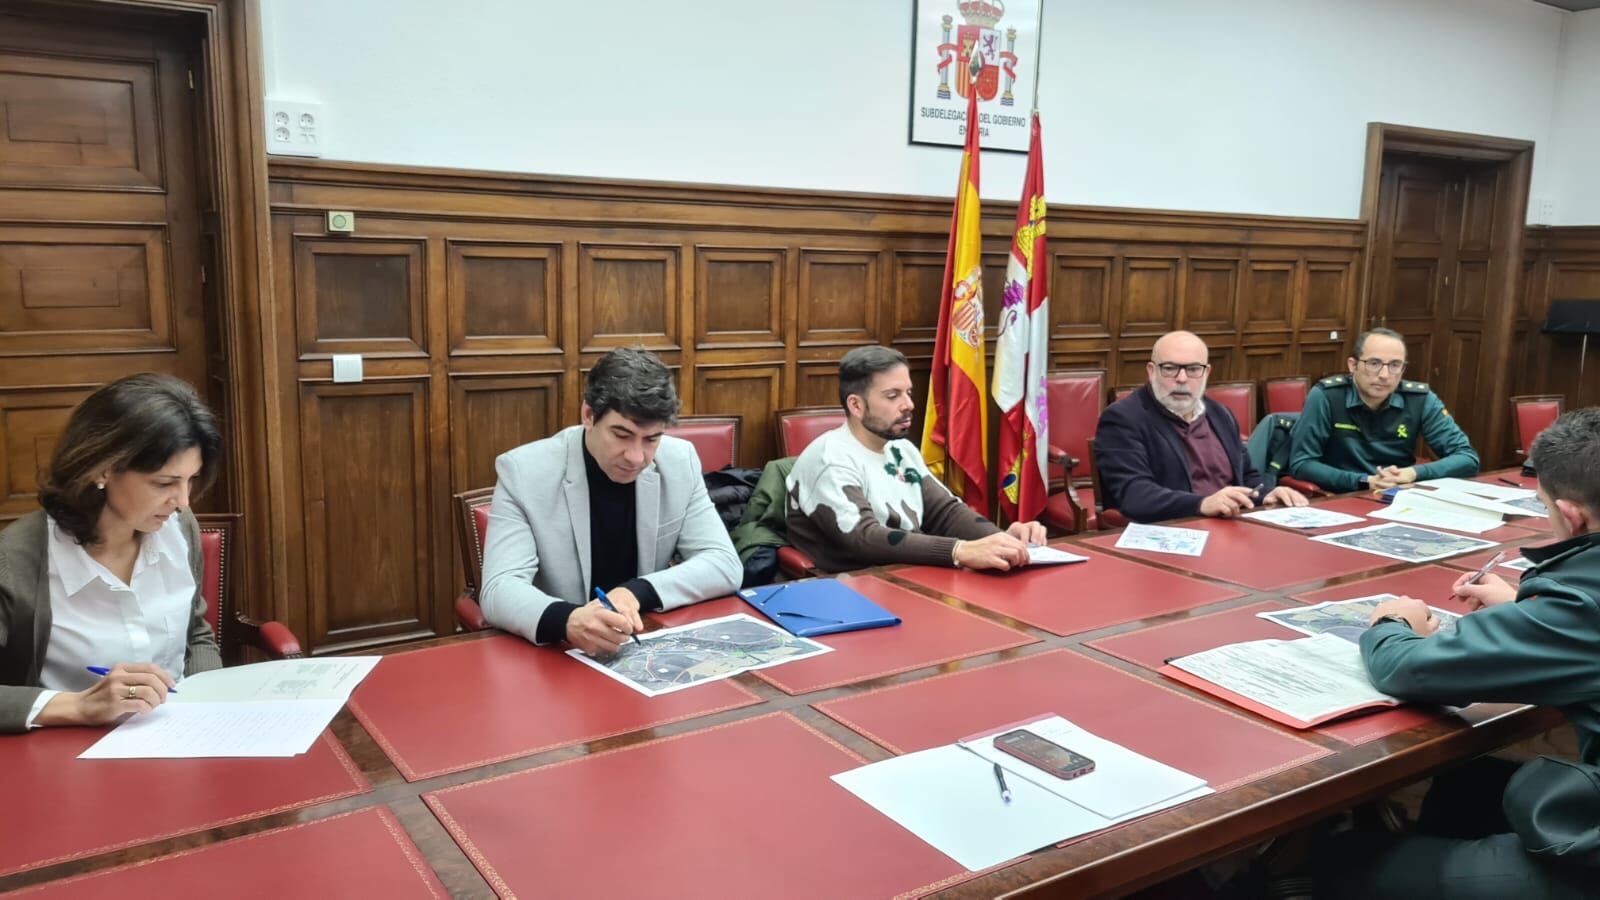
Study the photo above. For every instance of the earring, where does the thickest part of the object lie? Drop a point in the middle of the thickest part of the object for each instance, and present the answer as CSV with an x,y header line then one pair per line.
x,y
100,485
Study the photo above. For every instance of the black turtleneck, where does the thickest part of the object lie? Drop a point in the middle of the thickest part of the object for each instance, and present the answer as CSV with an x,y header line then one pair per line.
x,y
613,551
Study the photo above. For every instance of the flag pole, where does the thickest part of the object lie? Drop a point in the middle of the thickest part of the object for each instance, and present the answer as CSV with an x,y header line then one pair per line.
x,y
1038,53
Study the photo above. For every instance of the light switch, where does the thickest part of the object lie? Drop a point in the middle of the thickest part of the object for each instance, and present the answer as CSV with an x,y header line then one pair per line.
x,y
341,222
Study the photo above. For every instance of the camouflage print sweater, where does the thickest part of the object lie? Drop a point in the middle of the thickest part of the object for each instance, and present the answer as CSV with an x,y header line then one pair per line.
x,y
851,507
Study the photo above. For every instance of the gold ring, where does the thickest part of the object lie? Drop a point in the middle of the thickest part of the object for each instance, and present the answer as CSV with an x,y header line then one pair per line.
x,y
132,692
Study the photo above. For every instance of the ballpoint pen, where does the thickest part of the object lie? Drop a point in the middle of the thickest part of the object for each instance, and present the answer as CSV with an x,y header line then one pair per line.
x,y
1504,480
103,671
606,602
1000,778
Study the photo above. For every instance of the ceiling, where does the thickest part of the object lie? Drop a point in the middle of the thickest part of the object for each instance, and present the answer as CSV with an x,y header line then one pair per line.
x,y
1574,5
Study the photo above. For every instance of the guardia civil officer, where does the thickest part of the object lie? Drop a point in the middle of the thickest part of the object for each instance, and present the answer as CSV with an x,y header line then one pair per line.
x,y
1360,430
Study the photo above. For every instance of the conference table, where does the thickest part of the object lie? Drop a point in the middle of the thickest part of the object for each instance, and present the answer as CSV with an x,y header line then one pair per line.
x,y
477,765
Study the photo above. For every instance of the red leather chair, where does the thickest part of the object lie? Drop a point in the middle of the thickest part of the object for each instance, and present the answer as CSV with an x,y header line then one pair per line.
x,y
1240,399
1531,414
798,427
1105,518
1285,395
1075,400
472,520
1123,390
715,439
233,630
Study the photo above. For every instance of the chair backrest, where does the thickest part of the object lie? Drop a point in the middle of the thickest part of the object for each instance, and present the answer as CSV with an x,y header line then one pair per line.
x,y
472,519
1094,479
715,439
1074,400
1123,390
1285,395
217,540
798,427
1240,399
1533,413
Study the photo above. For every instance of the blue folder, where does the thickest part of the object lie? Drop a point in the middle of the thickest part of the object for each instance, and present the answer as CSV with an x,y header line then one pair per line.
x,y
817,606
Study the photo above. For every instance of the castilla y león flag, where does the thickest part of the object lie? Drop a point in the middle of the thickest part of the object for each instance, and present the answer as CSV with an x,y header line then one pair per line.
x,y
1022,354
957,419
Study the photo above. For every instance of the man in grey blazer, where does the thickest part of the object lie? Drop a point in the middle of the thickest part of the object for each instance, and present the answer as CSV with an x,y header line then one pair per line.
x,y
605,505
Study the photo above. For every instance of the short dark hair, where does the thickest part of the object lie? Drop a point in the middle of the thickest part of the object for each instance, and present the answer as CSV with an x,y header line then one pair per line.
x,y
135,424
1567,457
860,365
1361,339
634,382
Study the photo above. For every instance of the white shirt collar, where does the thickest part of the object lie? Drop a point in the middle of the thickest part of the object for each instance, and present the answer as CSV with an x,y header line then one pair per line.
x,y
76,568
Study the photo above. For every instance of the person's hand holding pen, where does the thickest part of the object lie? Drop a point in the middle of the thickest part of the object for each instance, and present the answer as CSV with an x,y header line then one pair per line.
x,y
1030,533
1480,589
599,627
126,688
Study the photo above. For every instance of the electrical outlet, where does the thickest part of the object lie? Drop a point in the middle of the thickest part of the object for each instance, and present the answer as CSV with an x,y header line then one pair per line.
x,y
1544,211
296,129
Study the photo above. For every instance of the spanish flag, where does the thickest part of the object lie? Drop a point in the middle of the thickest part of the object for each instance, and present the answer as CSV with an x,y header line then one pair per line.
x,y
1022,353
957,420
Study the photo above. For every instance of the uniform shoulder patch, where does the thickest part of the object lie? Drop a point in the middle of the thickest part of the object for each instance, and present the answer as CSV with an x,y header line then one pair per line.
x,y
1334,381
1414,387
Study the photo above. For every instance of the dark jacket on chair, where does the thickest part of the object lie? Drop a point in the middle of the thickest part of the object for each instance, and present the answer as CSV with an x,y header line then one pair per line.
x,y
1142,463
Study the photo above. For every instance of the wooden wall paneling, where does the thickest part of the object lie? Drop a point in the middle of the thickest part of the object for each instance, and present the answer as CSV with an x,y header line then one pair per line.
x,y
753,393
1263,361
1317,360
1211,294
1270,288
368,518
360,296
1150,292
503,298
838,297
31,420
739,297
819,385
917,283
73,288
1328,301
628,294
1081,289
490,414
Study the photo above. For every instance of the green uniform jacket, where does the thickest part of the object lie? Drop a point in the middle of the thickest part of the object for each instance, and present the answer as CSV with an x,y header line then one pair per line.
x,y
1542,649
766,517
1337,440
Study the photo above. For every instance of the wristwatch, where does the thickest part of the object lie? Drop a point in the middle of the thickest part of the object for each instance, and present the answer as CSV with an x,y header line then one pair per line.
x,y
1395,618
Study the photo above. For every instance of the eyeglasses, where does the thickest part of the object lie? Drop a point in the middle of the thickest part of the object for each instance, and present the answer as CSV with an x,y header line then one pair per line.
x,y
1171,370
1374,366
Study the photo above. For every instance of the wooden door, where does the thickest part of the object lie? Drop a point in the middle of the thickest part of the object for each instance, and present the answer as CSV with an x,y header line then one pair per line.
x,y
100,268
1431,277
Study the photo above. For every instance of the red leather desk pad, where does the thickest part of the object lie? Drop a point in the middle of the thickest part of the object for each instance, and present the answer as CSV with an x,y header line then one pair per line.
x,y
359,854
1430,583
1472,562
1213,742
444,709
739,810
1152,647
59,807
929,633
1263,558
1073,598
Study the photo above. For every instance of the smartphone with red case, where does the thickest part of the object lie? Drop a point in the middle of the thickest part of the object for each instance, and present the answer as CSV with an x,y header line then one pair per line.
x,y
1046,754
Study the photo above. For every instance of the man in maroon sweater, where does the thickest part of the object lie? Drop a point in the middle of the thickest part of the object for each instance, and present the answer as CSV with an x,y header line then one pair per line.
x,y
1164,453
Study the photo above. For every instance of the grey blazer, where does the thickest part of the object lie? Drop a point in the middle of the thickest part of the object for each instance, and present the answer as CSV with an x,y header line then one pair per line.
x,y
537,552
25,614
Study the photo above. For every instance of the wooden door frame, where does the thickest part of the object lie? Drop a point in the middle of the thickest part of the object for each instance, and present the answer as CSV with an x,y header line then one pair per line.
x,y
1515,160
229,83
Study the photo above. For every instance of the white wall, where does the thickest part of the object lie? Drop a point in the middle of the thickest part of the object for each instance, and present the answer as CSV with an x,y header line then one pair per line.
x,y
1576,132
1255,106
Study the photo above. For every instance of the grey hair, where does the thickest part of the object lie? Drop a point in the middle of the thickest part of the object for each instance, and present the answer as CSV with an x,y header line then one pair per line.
x,y
860,365
1567,457
1361,339
634,382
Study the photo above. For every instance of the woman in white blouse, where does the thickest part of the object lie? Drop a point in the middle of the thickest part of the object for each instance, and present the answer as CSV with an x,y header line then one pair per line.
x,y
107,574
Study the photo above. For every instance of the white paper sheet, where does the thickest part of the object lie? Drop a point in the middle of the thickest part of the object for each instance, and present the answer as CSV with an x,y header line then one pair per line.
x,y
1427,509
279,679
676,658
1486,504
1163,539
1479,488
1122,782
1521,564
188,730
1404,542
1307,678
1051,556
1302,517
949,798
